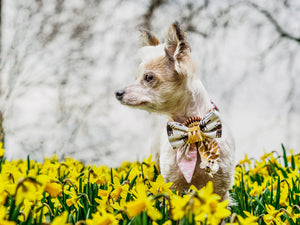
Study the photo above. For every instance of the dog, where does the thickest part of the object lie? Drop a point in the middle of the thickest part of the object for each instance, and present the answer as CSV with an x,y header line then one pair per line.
x,y
166,83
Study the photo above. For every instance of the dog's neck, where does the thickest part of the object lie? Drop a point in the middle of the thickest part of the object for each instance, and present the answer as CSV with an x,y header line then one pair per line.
x,y
196,102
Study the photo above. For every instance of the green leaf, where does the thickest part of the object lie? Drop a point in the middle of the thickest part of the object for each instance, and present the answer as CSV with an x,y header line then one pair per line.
x,y
63,203
29,220
277,193
71,218
291,222
127,175
145,218
284,173
2,160
284,156
14,210
80,185
293,162
88,214
41,216
111,176
259,202
133,181
28,164
271,197
273,168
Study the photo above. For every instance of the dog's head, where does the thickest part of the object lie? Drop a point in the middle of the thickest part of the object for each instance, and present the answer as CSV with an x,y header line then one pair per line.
x,y
162,76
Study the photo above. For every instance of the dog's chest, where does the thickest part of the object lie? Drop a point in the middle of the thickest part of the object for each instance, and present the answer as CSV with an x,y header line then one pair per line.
x,y
171,172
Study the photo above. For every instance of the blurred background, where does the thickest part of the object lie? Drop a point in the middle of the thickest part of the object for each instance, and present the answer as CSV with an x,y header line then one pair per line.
x,y
62,60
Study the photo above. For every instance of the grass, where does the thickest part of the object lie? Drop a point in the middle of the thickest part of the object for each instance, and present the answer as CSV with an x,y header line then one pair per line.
x,y
265,191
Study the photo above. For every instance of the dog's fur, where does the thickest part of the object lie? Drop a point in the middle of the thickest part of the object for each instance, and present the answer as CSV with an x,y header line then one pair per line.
x,y
166,84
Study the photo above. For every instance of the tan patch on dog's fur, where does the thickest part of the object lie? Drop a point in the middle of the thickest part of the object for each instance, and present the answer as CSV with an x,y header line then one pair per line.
x,y
147,38
163,68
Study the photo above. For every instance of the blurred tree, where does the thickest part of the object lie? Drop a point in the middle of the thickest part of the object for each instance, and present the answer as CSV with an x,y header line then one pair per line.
x,y
48,52
1,115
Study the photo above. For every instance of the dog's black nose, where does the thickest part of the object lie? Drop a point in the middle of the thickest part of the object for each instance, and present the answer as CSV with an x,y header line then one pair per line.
x,y
119,94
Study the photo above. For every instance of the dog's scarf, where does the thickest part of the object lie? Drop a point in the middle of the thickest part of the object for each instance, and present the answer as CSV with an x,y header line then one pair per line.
x,y
197,134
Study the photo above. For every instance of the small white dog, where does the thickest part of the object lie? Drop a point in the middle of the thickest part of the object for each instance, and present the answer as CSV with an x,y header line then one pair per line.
x,y
166,84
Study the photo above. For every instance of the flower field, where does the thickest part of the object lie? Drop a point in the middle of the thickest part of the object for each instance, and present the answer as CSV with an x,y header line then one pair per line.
x,y
266,191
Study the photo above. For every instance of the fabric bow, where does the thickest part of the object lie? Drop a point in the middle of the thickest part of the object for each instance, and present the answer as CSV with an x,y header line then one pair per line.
x,y
196,134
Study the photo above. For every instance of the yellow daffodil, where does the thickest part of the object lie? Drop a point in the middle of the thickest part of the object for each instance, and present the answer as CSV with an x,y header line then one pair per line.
x,y
297,161
179,206
102,218
245,160
284,194
148,167
61,220
74,200
135,173
219,211
100,175
272,216
134,208
104,204
28,188
133,188
54,189
168,222
50,169
142,203
292,214
3,197
1,150
264,156
10,175
160,186
103,193
257,190
249,220
289,158
260,168
56,203
212,210
273,160
119,189
25,209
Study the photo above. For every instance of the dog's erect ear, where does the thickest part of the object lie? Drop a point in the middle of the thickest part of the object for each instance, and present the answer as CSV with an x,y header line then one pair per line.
x,y
177,49
148,38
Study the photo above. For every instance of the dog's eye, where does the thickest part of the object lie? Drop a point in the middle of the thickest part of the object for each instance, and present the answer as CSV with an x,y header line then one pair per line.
x,y
148,77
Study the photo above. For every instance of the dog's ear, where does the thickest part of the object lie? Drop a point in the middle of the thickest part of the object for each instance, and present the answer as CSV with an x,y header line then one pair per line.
x,y
177,49
148,38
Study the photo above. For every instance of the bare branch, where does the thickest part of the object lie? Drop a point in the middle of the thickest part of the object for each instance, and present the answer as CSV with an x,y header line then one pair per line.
x,y
192,29
271,47
283,33
154,4
194,11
